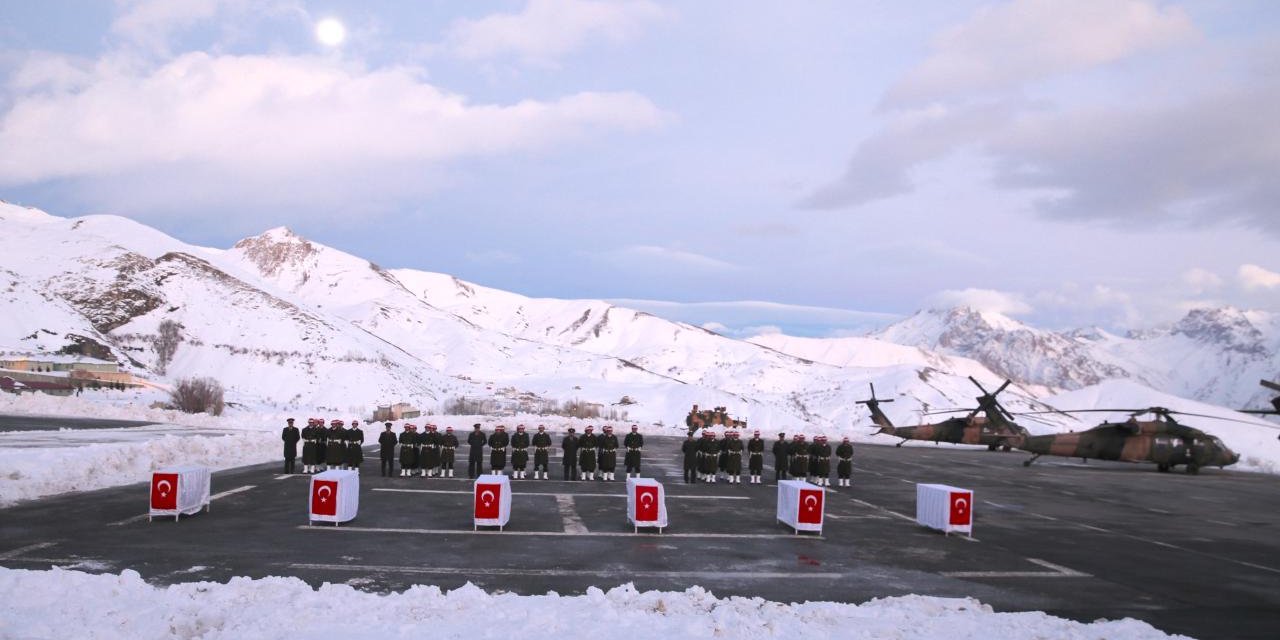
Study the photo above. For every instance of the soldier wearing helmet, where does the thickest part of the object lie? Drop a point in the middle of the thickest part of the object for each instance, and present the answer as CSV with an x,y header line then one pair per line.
x,y
755,457
541,452
708,450
429,451
519,452
587,454
498,443
844,467
355,446
799,455
820,461
335,451
448,445
309,456
408,450
733,457
608,456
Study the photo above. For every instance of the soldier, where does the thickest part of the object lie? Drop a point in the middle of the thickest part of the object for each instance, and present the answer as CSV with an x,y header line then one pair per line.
x,y
476,454
448,443
781,451
290,435
387,451
733,460
355,446
309,460
820,461
498,450
322,450
690,450
608,456
519,452
708,450
429,455
408,450
798,452
722,459
335,450
844,468
634,442
541,452
755,457
569,455
587,454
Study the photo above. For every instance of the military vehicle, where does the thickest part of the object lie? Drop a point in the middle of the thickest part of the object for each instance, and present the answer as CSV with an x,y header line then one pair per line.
x,y
1164,441
718,416
995,428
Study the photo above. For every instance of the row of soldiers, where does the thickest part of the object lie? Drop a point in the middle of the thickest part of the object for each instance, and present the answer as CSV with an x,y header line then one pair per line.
x,y
706,459
335,447
595,457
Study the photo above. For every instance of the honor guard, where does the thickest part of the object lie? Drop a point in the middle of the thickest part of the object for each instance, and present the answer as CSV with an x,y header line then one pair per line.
x,y
820,461
722,460
387,451
733,458
448,445
781,455
430,452
498,443
335,450
844,466
355,446
690,450
309,458
541,452
475,455
569,455
587,454
708,451
408,450
290,436
755,457
798,453
634,443
608,456
519,452
322,449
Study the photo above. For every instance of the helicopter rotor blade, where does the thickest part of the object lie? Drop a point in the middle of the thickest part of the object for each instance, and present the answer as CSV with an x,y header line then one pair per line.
x,y
1270,385
1161,410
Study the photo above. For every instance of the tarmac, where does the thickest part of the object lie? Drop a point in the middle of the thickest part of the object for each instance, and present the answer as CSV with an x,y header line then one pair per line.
x,y
1197,555
50,423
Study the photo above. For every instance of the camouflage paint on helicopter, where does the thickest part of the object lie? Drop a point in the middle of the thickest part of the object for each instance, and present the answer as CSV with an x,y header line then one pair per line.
x,y
1164,441
995,429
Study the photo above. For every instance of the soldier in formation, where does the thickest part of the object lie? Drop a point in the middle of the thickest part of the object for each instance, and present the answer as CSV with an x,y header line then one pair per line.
x,y
755,457
798,453
431,451
733,457
722,459
844,465
321,435
335,450
408,450
310,449
387,451
587,454
498,443
708,452
690,450
634,443
541,452
355,446
569,454
820,462
608,456
475,455
519,452
781,457
448,445
290,436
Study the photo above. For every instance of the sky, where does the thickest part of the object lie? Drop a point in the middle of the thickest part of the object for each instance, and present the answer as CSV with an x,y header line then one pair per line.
x,y
815,167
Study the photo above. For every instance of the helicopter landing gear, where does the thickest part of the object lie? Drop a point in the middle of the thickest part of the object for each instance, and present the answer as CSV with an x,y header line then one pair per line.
x,y
1162,468
900,443
992,447
1027,463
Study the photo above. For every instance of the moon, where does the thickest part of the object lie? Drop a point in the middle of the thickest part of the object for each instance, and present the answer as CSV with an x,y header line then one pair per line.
x,y
488,493
323,488
646,497
961,503
164,487
811,497
330,32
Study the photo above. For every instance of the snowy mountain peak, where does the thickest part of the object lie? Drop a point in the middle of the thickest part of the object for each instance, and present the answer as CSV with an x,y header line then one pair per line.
x,y
276,249
1226,327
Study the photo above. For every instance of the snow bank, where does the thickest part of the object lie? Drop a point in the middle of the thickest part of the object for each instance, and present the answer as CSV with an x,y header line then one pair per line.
x,y
46,604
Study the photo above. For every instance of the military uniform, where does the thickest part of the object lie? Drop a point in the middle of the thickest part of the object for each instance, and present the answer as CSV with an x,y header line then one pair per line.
x,y
309,453
355,446
322,449
430,441
387,451
690,450
587,455
634,443
290,436
755,457
475,455
335,450
733,458
541,452
608,456
448,446
708,451
519,452
408,450
569,455
781,453
498,443
799,456
820,461
844,468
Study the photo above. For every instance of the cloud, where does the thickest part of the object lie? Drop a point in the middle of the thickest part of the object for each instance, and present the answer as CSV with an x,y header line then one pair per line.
x,y
743,318
1201,280
1006,45
1254,277
982,300
650,254
548,29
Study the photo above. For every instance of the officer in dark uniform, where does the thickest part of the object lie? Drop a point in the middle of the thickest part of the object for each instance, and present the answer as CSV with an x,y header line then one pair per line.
x,y
587,454
755,457
844,467
708,452
799,454
733,461
355,446
335,450
820,461
498,450
780,452
608,457
387,451
290,435
448,444
722,460
408,450
430,440
519,452
309,459
690,450
569,455
541,452
634,443
475,455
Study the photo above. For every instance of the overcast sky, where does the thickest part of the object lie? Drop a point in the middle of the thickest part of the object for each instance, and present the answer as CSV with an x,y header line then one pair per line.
x,y
1069,163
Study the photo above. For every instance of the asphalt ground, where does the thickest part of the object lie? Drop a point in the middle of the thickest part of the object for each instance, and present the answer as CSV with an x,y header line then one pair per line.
x,y
49,423
1197,555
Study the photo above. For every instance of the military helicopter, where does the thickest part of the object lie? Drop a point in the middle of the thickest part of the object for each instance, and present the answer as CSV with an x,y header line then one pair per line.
x,y
1275,402
996,428
1164,441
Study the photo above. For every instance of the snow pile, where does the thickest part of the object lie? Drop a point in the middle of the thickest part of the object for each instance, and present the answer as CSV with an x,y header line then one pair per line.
x,y
37,604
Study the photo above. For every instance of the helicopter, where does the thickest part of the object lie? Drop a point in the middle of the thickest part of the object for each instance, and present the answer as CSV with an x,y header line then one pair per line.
x,y
1164,441
1275,402
996,429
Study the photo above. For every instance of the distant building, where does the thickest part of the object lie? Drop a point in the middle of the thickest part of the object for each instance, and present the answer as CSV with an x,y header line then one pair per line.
x,y
46,363
397,411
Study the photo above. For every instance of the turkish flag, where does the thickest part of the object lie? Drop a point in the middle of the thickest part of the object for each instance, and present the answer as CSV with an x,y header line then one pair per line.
x,y
646,503
488,497
164,491
810,506
961,508
324,497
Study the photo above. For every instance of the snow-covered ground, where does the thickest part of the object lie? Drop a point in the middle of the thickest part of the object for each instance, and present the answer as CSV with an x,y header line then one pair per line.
x,y
46,604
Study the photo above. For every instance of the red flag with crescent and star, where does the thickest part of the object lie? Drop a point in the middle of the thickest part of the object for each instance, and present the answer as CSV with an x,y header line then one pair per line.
x,y
324,497
164,491
646,503
961,508
810,506
488,499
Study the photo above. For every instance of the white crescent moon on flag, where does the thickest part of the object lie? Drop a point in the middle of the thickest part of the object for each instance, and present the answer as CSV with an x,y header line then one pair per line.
x,y
164,486
961,503
646,497
324,488
811,497
487,496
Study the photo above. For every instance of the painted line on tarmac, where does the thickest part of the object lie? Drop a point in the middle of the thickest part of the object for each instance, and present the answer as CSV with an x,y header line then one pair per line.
x,y
14,553
232,491
1058,571
607,534
554,494
569,513
213,497
700,575
879,508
